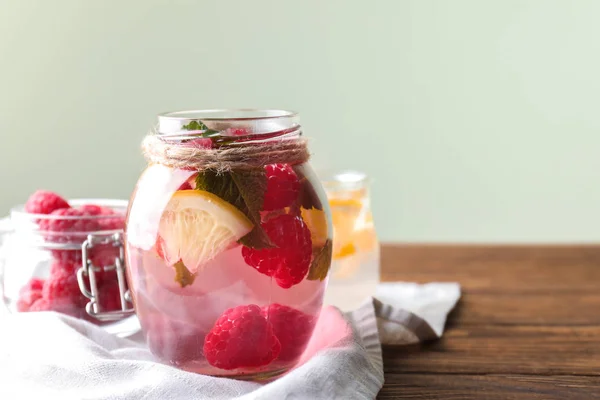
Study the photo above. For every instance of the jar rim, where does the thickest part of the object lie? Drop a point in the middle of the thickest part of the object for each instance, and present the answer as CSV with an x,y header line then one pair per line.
x,y
224,114
19,210
344,179
246,123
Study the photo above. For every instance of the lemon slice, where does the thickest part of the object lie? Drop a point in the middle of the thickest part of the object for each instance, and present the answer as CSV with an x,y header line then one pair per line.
x,y
196,226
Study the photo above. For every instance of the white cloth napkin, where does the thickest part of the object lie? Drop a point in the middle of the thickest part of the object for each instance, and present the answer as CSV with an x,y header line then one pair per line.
x,y
47,355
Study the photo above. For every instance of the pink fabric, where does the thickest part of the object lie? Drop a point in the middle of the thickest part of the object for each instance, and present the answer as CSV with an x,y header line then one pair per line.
x,y
331,329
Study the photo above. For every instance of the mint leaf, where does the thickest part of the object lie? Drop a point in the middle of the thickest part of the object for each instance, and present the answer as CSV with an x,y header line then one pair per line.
x,y
245,190
223,186
200,126
321,262
257,239
252,186
182,275
308,197
194,126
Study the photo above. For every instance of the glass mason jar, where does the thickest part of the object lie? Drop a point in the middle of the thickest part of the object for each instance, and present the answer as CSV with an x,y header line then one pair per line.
x,y
355,266
68,263
228,242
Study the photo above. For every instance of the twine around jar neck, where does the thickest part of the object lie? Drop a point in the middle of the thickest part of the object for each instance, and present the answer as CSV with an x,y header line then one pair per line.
x,y
236,156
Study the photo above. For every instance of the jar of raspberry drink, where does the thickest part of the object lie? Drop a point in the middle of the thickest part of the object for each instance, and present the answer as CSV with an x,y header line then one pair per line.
x,y
228,242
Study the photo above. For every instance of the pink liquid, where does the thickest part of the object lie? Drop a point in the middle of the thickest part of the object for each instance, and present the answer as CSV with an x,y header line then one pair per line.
x,y
176,320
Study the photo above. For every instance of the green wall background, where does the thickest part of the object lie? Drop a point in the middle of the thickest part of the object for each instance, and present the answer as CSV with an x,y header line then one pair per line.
x,y
477,120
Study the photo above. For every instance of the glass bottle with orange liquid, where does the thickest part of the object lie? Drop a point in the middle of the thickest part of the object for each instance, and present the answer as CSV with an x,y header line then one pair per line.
x,y
355,264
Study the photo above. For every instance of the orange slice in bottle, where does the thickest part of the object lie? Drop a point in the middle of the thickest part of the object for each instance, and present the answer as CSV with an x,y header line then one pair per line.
x,y
344,214
316,221
196,226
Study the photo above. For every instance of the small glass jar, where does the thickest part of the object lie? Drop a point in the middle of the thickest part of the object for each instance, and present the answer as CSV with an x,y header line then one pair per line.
x,y
68,263
355,266
228,242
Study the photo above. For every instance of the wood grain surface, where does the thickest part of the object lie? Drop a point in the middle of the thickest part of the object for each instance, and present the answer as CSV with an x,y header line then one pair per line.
x,y
527,325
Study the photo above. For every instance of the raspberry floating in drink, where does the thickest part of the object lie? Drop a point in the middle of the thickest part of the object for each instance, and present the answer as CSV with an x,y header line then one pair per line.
x,y
242,337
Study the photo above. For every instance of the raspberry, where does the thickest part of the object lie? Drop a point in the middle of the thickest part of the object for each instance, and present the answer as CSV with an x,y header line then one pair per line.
x,y
40,305
68,225
159,246
59,266
185,186
103,255
189,184
241,337
106,224
69,220
29,294
288,263
283,186
67,256
93,209
62,293
292,327
110,296
112,224
68,267
44,202
104,277
199,143
34,284
237,132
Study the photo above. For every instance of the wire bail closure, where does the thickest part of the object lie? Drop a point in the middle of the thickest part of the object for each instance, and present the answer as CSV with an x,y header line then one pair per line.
x,y
87,273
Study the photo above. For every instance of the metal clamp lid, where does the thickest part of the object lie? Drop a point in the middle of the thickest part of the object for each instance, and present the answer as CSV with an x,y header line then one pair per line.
x,y
87,273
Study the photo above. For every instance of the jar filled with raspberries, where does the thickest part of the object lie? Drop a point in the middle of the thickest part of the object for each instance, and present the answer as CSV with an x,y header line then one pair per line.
x,y
228,242
66,256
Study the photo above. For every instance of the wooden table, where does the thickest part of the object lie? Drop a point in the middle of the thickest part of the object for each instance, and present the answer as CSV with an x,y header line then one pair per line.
x,y
527,325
